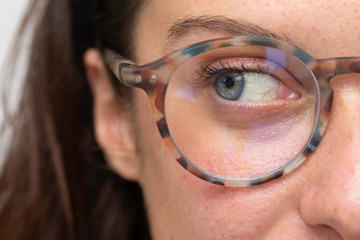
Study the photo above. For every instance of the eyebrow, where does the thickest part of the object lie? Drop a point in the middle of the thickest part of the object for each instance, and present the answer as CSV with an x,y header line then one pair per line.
x,y
219,24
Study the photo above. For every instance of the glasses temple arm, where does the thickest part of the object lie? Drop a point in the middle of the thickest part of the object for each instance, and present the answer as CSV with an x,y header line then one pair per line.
x,y
116,62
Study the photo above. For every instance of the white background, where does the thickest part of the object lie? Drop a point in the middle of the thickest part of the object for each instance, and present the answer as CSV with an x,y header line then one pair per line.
x,y
10,16
11,12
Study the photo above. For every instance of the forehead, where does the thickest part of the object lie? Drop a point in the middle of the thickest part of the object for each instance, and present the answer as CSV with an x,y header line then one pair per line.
x,y
325,28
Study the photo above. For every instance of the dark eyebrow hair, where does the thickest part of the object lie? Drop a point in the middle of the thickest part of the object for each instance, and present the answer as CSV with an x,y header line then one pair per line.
x,y
220,24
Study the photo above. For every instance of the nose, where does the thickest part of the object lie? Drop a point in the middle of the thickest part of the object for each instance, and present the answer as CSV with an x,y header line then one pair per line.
x,y
332,195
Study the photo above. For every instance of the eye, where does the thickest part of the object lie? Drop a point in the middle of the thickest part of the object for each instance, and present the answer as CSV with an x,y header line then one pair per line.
x,y
254,81
230,85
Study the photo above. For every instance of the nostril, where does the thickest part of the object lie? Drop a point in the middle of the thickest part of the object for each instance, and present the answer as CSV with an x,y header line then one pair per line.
x,y
355,67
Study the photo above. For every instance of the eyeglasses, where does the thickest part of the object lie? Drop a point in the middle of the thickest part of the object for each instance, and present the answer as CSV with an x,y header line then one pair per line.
x,y
238,111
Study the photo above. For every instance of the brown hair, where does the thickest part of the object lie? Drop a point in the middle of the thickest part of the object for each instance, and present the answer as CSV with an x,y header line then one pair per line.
x,y
54,183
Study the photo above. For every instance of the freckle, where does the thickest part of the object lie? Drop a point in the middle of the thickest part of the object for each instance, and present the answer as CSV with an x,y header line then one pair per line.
x,y
217,221
183,177
335,210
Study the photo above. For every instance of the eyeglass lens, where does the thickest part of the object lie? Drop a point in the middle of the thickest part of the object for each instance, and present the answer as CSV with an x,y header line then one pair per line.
x,y
241,111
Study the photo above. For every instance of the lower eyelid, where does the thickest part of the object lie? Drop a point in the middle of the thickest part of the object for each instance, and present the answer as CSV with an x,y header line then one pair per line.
x,y
254,105
259,112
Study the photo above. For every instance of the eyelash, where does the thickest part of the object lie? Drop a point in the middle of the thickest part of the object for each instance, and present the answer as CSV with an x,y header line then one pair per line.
x,y
207,72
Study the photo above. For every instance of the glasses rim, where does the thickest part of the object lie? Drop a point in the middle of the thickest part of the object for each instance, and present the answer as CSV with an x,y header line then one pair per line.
x,y
146,77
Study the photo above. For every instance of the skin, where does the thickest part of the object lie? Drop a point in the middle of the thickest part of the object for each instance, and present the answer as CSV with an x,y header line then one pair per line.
x,y
319,200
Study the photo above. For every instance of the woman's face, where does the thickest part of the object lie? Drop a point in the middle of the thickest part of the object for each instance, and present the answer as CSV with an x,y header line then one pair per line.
x,y
321,198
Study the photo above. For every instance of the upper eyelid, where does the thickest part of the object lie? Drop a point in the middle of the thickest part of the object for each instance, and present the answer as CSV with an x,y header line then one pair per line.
x,y
223,68
205,74
231,67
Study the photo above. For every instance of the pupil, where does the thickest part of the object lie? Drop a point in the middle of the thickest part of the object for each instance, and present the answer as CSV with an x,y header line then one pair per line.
x,y
229,82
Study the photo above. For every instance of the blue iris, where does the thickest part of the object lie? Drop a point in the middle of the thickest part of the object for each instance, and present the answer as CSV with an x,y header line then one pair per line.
x,y
230,85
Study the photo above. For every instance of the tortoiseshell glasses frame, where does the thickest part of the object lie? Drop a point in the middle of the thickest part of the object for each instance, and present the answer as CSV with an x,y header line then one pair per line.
x,y
154,78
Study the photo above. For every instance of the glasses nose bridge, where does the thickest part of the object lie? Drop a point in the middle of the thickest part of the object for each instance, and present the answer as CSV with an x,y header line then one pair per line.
x,y
331,67
325,70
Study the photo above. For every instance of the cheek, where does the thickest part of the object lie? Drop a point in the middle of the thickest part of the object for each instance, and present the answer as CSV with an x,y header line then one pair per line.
x,y
180,204
237,142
